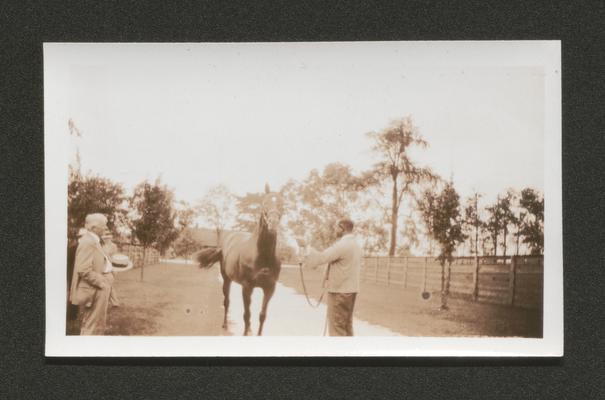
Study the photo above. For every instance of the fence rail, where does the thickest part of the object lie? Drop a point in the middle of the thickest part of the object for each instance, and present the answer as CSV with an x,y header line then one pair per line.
x,y
512,280
138,255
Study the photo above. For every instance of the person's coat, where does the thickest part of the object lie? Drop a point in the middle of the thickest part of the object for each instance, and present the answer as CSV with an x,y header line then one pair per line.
x,y
88,271
344,264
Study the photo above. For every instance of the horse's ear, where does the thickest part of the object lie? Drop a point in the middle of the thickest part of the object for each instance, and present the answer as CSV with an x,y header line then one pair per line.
x,y
267,190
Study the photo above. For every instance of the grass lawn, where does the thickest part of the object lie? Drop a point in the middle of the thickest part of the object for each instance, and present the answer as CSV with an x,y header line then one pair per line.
x,y
173,299
184,300
404,311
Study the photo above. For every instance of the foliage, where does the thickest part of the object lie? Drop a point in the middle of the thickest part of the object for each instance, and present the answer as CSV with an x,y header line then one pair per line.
x,y
472,223
374,236
500,217
447,223
409,234
393,144
314,206
93,194
533,222
217,208
186,244
426,204
495,223
154,224
248,208
185,215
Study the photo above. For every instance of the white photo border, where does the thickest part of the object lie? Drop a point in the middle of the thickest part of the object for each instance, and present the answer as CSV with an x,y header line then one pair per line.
x,y
486,53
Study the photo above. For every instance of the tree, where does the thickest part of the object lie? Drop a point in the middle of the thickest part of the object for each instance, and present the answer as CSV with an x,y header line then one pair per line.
x,y
409,234
494,223
500,217
93,194
426,204
186,244
374,235
185,215
154,224
217,208
393,144
472,222
248,208
517,218
313,206
508,217
447,230
533,224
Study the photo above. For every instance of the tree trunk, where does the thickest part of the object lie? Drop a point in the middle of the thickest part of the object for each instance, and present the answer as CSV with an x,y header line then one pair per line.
x,y
445,285
504,240
495,238
394,217
143,262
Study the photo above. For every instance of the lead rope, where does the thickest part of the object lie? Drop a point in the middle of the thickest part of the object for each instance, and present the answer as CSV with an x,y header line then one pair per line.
x,y
302,279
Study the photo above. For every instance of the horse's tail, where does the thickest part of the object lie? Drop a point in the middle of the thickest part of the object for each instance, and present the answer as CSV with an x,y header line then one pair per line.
x,y
208,257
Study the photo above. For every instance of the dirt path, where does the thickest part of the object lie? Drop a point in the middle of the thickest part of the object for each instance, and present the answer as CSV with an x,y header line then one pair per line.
x,y
181,299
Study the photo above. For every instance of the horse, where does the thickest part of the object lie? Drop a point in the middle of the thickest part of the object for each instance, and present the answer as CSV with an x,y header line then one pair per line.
x,y
249,259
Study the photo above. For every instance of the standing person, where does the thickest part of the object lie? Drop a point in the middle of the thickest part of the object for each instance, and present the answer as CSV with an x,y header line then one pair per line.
x,y
110,248
92,279
342,276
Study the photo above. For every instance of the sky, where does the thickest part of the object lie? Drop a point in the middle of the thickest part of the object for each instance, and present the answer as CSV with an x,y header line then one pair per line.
x,y
199,115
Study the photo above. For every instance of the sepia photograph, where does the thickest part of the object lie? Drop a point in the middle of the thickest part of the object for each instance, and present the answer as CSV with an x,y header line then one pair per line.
x,y
303,199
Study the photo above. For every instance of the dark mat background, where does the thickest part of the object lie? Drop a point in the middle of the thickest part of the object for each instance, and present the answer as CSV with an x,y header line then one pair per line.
x,y
26,373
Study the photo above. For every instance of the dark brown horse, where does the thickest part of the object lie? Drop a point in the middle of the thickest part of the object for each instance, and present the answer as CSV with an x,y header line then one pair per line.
x,y
249,259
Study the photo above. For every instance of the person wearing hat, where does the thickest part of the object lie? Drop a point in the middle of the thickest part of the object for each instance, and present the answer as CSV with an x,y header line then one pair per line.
x,y
342,277
92,278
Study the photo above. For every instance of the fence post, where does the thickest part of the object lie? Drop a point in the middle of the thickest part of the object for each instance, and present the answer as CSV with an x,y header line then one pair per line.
x,y
511,280
388,271
376,270
476,279
405,273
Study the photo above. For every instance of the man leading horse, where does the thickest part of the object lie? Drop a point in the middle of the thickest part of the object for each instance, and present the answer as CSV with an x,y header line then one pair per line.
x,y
342,276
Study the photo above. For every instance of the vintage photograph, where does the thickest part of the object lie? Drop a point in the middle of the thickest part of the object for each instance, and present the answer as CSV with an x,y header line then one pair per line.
x,y
303,199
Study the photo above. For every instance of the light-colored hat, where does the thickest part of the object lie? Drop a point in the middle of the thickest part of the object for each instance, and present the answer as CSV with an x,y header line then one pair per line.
x,y
120,260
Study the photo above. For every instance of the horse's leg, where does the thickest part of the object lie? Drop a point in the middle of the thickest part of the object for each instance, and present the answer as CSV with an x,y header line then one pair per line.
x,y
226,290
247,295
267,294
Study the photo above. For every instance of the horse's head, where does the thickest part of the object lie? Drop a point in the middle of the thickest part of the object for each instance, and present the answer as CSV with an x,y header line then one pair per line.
x,y
271,209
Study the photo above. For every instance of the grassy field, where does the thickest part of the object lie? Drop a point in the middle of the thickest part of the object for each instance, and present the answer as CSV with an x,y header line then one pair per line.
x,y
183,300
173,299
404,311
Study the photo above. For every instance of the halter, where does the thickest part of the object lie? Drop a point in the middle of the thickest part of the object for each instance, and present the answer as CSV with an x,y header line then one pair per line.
x,y
273,211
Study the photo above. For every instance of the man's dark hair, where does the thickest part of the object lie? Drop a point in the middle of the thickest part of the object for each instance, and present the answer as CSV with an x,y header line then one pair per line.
x,y
346,224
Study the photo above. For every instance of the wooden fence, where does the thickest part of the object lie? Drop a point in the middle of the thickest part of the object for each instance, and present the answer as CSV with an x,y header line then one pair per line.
x,y
516,280
137,255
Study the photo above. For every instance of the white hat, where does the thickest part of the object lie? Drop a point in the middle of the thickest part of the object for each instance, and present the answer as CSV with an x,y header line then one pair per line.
x,y
120,260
